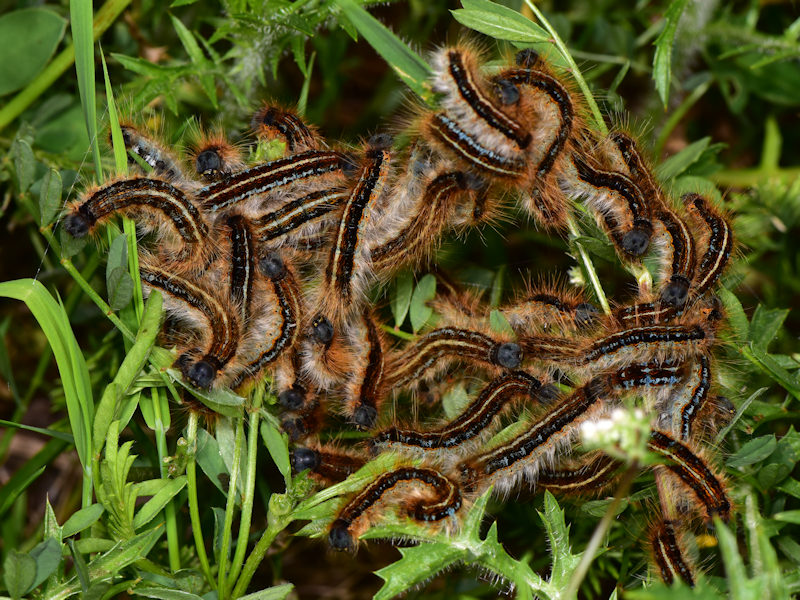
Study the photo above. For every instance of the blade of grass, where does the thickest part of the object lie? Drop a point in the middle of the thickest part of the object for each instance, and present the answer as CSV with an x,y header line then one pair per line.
x,y
80,12
72,367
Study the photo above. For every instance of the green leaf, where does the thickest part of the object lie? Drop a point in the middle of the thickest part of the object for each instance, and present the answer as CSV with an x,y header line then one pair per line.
x,y
278,592
411,69
80,566
30,36
82,520
28,473
156,504
662,61
499,22
564,561
220,400
49,197
164,593
210,460
736,315
72,367
59,435
120,288
80,18
19,573
416,565
196,54
47,555
499,323
401,300
24,163
753,451
765,325
419,311
678,163
276,444
788,516
771,367
117,143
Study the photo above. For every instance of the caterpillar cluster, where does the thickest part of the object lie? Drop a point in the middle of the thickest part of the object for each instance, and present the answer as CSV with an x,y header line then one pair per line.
x,y
265,269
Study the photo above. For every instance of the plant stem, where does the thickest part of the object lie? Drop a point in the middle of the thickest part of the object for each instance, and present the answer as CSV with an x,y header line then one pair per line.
x,y
600,123
600,532
257,555
194,509
588,266
107,14
250,489
169,510
230,507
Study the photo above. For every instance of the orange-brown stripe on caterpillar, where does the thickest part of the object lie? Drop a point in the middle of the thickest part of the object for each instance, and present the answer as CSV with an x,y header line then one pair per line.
x,y
718,242
589,475
273,122
525,455
555,122
327,463
474,421
366,388
210,315
427,352
625,346
347,266
299,218
616,200
296,172
549,308
694,474
669,554
433,497
214,158
151,152
242,263
141,198
413,237
466,97
278,332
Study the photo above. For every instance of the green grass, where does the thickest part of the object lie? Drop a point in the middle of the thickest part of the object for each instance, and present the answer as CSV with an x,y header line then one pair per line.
x,y
171,503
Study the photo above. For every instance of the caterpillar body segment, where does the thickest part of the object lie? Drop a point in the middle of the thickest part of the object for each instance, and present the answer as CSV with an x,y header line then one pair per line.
x,y
669,554
590,475
274,122
718,244
161,161
473,423
452,343
325,462
434,498
366,387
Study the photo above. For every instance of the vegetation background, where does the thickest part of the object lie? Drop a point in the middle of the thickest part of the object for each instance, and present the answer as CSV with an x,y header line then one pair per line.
x,y
711,87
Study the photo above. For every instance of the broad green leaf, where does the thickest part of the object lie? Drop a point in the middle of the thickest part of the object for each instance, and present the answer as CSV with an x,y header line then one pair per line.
x,y
662,61
401,300
82,519
499,323
771,367
736,315
411,69
24,163
120,288
678,163
19,573
765,325
276,444
30,36
753,451
220,400
278,592
47,555
210,460
419,311
156,504
499,22
49,197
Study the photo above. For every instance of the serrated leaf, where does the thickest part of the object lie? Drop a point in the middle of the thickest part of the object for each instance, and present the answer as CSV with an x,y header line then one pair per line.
x,y
765,325
411,69
82,519
753,451
771,367
499,22
416,565
24,163
401,300
736,315
662,61
419,312
49,197
19,573
276,445
564,561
